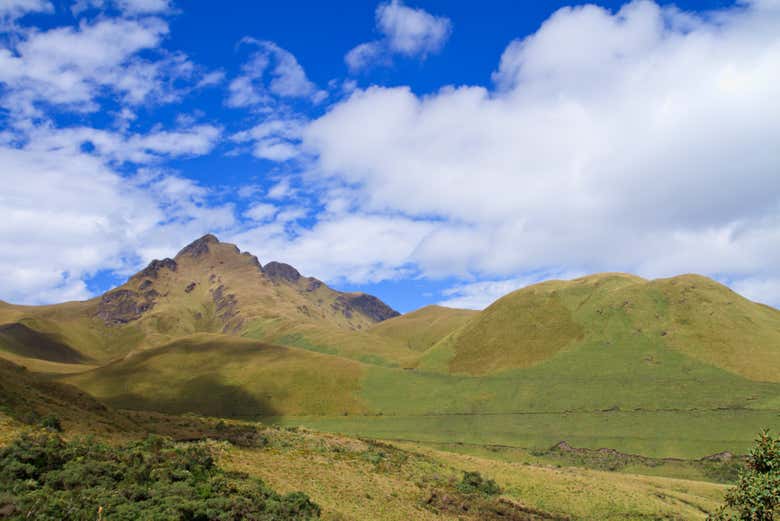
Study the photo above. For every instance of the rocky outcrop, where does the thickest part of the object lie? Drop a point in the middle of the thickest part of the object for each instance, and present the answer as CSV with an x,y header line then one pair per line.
x,y
226,308
253,260
368,305
153,269
199,247
123,306
279,271
371,306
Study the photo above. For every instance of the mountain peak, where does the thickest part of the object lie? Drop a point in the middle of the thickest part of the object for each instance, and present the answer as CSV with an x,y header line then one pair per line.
x,y
198,247
279,270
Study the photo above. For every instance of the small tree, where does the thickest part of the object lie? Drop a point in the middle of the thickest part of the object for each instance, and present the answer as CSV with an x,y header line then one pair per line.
x,y
757,494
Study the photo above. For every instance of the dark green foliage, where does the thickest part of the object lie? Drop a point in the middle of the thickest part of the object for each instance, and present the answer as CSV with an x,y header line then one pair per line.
x,y
474,483
45,478
757,494
52,423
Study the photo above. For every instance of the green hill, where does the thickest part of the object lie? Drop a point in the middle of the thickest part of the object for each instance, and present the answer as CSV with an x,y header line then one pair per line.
x,y
689,314
671,367
421,329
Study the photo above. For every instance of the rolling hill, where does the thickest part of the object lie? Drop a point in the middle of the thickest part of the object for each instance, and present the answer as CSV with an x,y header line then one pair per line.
x,y
607,360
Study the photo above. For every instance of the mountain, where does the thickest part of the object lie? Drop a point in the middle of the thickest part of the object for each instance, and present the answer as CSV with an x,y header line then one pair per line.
x,y
679,367
208,287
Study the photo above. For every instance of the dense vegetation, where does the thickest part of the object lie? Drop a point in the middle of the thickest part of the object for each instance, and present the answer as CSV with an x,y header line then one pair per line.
x,y
757,494
46,478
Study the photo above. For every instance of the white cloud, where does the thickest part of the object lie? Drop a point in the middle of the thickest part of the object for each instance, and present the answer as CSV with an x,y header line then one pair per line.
x,y
271,72
641,140
72,67
118,147
274,139
760,289
479,295
406,31
363,55
10,10
261,212
67,215
127,7
409,31
144,6
354,248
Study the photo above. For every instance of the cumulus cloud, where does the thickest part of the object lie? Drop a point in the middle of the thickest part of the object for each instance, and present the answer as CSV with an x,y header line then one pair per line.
x,y
126,147
406,31
355,248
274,139
270,72
72,67
10,10
67,215
639,140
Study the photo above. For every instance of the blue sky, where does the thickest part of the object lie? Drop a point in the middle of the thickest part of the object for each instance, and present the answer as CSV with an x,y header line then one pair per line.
x,y
426,152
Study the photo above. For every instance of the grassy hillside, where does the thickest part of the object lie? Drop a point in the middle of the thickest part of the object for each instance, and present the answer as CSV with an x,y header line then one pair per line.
x,y
26,398
228,376
677,367
689,314
421,329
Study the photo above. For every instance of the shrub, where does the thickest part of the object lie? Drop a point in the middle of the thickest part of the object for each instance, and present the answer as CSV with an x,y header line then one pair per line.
x,y
757,494
45,478
474,483
51,422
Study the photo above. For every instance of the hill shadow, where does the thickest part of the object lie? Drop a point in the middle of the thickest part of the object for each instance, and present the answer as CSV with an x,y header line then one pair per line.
x,y
203,395
23,341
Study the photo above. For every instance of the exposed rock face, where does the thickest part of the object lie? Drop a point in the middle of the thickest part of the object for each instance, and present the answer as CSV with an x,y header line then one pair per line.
x,y
199,247
123,306
154,267
313,284
278,271
369,305
253,260
372,307
226,308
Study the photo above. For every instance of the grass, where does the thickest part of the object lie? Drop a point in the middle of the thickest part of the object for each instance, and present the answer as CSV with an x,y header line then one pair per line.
x,y
654,434
228,376
423,328
348,480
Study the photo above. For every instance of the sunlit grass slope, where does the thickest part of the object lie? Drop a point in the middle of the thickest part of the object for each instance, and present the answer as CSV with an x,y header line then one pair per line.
x,y
689,314
421,329
228,376
356,479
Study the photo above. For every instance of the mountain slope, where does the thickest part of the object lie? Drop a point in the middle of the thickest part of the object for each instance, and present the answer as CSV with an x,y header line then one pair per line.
x,y
26,397
689,314
208,287
422,328
228,376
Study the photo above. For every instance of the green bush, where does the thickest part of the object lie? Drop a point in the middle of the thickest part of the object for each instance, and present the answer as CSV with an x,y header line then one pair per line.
x,y
45,478
474,483
51,422
757,494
